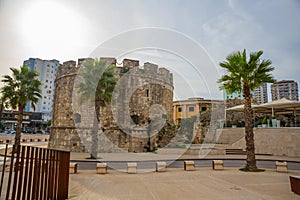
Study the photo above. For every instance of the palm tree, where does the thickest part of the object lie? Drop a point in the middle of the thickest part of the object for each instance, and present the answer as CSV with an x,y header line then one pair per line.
x,y
97,84
1,110
18,89
244,75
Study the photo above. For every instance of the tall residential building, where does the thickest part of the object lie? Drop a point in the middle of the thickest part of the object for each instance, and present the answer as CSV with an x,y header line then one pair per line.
x,y
261,94
285,88
47,73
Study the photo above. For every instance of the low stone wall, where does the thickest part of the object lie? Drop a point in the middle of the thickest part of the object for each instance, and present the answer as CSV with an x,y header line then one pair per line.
x,y
275,141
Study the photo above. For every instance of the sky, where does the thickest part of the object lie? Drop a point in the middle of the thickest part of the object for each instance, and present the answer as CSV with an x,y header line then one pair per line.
x,y
190,38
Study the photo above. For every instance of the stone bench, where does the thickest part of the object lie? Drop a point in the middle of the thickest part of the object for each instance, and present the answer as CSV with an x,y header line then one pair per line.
x,y
131,168
295,184
281,166
101,168
189,165
161,166
217,165
73,168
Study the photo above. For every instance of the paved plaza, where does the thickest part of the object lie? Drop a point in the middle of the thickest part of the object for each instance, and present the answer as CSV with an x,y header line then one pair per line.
x,y
175,183
203,183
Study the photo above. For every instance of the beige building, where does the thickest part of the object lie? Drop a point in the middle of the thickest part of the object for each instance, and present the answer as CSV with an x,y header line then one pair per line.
x,y
191,107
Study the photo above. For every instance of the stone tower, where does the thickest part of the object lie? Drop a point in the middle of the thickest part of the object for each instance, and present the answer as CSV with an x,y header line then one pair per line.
x,y
141,107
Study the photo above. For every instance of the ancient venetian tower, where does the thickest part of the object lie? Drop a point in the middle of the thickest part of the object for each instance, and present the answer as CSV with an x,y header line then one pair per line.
x,y
135,121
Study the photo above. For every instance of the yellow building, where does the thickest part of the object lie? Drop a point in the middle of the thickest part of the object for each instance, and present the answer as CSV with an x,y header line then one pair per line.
x,y
191,107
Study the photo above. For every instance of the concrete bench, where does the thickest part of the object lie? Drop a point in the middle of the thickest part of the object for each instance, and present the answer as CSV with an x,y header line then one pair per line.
x,y
281,166
73,168
295,184
161,166
217,165
189,165
101,168
131,168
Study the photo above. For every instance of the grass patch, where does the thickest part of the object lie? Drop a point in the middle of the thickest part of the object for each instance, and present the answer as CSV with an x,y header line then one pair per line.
x,y
245,169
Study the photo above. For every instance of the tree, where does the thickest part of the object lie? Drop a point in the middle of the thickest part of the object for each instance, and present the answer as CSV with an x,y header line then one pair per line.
x,y
18,89
1,111
244,75
97,85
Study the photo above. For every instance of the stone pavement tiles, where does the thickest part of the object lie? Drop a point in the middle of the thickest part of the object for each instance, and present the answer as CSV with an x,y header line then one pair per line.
x,y
203,183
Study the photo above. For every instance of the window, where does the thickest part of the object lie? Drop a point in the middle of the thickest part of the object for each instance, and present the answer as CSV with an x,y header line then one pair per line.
x,y
179,109
135,119
191,109
77,118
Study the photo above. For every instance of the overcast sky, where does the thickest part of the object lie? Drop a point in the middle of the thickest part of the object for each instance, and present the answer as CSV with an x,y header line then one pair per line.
x,y
72,29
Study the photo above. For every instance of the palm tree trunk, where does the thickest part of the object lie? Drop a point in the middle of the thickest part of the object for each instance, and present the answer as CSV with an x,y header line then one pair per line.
x,y
94,146
18,131
249,136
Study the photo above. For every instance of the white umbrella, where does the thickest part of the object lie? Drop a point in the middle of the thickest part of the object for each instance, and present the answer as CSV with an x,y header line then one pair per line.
x,y
283,105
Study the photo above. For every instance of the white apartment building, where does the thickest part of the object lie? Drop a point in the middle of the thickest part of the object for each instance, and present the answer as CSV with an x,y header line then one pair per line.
x,y
47,74
285,88
261,94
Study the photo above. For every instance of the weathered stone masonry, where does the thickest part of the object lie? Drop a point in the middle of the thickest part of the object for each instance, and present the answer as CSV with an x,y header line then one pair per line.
x,y
71,126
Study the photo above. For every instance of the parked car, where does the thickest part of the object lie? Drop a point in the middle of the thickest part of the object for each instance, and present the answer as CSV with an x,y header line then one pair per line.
x,y
29,131
10,132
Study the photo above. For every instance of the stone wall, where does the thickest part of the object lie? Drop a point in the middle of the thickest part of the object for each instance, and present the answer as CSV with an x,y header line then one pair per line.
x,y
275,141
144,94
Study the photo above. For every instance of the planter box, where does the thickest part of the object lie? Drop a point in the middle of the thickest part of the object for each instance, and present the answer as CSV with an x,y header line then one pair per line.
x,y
295,184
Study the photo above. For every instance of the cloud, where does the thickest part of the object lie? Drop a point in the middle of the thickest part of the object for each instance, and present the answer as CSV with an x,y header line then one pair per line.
x,y
222,27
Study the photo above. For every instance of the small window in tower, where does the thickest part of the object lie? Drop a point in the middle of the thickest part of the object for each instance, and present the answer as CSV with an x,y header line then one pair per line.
x,y
179,109
164,116
147,93
135,119
77,118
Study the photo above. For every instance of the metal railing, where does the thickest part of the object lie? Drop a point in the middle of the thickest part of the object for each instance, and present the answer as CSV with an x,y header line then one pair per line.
x,y
35,173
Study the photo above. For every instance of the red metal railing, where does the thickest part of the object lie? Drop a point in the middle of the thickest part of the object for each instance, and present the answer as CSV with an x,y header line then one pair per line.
x,y
35,173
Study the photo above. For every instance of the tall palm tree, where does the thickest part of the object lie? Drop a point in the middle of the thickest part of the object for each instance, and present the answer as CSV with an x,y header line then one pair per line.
x,y
1,111
97,84
18,89
244,75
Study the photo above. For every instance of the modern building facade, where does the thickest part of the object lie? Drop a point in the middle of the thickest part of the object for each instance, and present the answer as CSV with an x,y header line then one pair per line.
x,y
285,88
9,119
235,95
47,73
261,94
191,107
